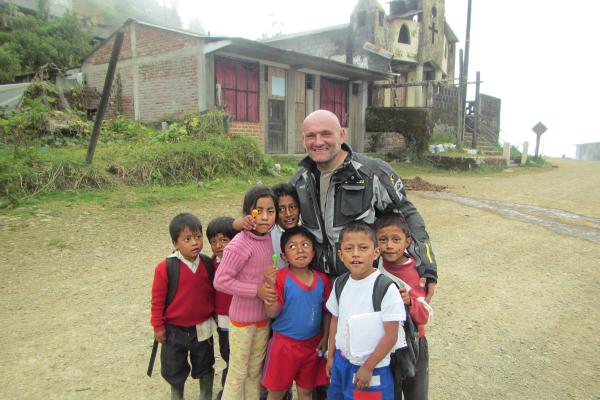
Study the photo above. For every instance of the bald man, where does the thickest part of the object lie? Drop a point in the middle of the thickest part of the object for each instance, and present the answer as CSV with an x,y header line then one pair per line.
x,y
337,186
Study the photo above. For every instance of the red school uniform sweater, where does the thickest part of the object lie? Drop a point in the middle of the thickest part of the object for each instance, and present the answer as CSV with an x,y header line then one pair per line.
x,y
193,303
409,274
222,300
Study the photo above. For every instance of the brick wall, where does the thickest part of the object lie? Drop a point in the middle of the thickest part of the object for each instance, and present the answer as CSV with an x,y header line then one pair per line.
x,y
167,87
152,41
253,129
166,66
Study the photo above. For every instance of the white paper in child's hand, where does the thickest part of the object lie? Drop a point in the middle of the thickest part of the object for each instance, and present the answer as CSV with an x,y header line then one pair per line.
x,y
204,330
375,380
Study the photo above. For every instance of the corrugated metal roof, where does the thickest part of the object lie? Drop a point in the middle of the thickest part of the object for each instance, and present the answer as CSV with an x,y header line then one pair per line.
x,y
11,95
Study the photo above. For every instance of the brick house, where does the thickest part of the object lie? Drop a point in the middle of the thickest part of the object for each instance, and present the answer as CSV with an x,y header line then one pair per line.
x,y
267,90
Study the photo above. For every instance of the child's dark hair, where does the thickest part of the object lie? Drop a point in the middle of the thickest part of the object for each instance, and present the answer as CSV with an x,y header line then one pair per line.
x,y
222,225
358,226
297,230
285,189
392,220
182,221
252,196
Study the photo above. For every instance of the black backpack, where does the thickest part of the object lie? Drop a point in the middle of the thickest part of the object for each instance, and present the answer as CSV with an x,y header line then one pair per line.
x,y
380,287
403,361
173,275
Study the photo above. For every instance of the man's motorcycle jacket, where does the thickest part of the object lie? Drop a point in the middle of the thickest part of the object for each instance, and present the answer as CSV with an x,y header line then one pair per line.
x,y
361,189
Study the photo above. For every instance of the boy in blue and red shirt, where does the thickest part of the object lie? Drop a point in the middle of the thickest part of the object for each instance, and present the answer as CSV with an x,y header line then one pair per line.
x,y
301,323
184,326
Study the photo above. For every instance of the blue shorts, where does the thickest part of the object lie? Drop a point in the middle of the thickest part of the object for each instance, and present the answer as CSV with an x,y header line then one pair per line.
x,y
342,382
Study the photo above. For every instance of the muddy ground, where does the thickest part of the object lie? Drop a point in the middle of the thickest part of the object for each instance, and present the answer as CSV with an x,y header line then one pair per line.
x,y
516,311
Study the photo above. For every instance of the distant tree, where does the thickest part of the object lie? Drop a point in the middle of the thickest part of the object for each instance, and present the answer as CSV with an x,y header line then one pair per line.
x,y
113,13
10,63
31,42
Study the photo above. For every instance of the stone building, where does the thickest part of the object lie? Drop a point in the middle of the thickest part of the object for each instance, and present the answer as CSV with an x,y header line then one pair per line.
x,y
267,90
413,40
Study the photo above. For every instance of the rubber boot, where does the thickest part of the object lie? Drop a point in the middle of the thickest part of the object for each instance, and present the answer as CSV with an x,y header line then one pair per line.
x,y
176,393
206,385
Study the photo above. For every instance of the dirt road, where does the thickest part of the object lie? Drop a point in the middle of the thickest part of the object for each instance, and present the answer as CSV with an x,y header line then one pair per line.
x,y
516,311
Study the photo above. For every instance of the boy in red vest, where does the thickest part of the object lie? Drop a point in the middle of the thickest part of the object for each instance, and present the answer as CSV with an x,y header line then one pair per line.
x,y
394,237
183,324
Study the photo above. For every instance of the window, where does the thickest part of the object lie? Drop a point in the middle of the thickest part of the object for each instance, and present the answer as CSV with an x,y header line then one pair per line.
x,y
404,36
239,88
278,86
381,17
334,97
433,12
309,81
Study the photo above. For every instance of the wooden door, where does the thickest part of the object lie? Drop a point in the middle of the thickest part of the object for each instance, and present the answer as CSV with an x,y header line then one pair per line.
x,y
277,138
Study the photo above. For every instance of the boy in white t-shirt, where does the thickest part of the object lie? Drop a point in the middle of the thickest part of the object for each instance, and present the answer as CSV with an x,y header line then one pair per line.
x,y
367,377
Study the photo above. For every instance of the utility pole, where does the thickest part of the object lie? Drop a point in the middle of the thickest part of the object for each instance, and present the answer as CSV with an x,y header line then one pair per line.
x,y
461,105
477,112
465,68
110,74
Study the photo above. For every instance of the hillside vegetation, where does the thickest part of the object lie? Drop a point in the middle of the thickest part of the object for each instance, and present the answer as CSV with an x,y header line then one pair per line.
x,y
43,149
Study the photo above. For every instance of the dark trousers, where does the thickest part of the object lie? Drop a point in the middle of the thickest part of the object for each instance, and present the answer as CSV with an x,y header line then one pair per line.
x,y
180,342
417,387
224,350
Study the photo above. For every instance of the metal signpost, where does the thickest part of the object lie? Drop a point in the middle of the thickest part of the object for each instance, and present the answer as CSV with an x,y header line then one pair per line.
x,y
539,128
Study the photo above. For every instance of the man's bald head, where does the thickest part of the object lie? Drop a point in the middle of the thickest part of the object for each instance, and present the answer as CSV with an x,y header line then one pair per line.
x,y
323,137
323,115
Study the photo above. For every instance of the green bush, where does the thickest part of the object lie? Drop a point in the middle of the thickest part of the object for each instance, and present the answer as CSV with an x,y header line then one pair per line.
x,y
194,125
31,171
28,171
442,137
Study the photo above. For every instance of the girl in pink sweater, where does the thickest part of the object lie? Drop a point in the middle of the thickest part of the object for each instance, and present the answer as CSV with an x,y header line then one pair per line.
x,y
242,274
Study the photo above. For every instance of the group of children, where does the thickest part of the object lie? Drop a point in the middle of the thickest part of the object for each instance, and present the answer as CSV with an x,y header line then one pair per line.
x,y
279,321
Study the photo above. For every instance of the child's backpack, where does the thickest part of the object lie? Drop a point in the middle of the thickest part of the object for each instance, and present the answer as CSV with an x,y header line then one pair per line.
x,y
173,275
403,360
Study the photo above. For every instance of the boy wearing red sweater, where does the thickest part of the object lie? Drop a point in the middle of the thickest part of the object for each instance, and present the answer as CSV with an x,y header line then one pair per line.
x,y
184,326
393,238
219,232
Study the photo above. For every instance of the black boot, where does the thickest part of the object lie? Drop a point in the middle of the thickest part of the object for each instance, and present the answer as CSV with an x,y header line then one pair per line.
x,y
206,385
176,393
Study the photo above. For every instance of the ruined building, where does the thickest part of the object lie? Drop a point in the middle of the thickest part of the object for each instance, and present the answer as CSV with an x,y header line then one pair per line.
x,y
413,40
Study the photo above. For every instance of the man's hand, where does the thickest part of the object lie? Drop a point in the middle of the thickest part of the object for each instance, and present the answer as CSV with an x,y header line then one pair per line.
x,y
431,286
405,296
266,293
160,336
362,380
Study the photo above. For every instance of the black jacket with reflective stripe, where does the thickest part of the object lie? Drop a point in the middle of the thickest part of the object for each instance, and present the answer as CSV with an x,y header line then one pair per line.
x,y
361,189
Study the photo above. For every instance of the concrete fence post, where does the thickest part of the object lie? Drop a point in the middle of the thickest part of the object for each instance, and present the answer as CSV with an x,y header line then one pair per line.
x,y
506,153
524,153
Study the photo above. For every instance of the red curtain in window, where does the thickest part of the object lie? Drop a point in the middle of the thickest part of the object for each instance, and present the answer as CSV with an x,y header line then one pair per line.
x,y
334,97
239,88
